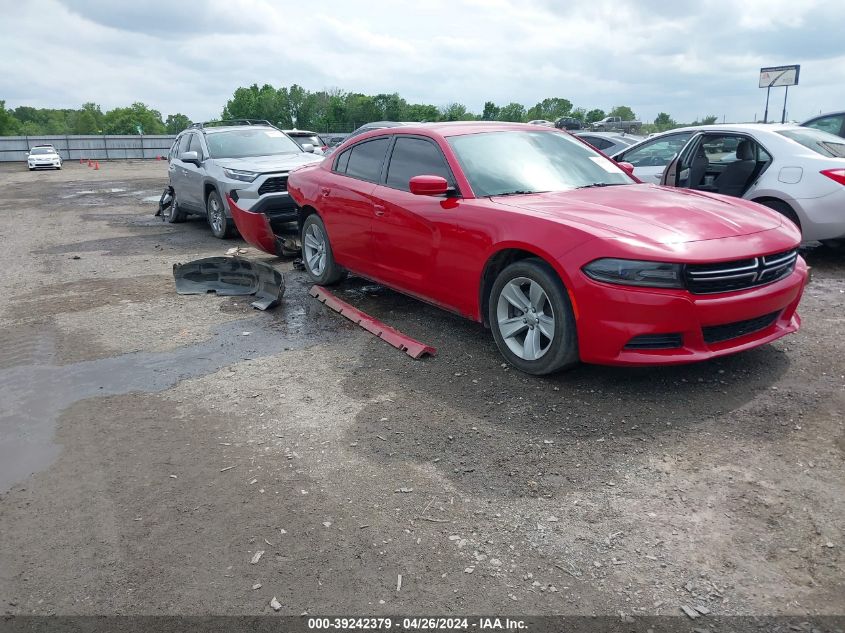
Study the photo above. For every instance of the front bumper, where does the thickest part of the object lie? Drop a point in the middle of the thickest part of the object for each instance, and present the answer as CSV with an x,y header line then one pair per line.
x,y
44,164
249,196
262,230
609,317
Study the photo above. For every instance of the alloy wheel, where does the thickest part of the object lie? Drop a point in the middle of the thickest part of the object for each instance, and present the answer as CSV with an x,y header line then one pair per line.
x,y
525,318
314,246
215,213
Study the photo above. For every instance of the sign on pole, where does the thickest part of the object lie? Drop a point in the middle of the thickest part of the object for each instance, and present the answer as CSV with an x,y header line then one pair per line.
x,y
776,76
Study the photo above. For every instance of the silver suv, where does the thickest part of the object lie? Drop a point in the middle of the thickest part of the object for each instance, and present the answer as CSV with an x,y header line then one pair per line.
x,y
246,159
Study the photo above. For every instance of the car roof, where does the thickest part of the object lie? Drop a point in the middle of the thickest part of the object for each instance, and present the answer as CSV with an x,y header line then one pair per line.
x,y
823,116
229,128
300,132
458,128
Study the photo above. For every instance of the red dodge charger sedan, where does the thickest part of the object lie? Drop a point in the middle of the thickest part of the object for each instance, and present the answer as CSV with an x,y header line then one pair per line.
x,y
557,248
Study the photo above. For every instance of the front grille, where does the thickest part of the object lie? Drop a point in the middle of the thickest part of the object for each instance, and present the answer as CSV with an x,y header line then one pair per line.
x,y
655,341
739,274
276,184
727,331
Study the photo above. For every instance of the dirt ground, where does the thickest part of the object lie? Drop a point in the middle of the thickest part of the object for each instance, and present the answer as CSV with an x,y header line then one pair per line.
x,y
165,454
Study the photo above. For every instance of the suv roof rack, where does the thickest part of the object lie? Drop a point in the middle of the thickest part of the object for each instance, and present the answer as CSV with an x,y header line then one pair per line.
x,y
226,122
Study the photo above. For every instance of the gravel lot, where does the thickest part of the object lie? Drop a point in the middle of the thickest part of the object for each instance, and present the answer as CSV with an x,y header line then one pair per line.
x,y
153,445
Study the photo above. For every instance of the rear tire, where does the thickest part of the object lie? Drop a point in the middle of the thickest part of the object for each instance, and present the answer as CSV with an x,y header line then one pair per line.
x,y
317,255
531,318
221,227
784,209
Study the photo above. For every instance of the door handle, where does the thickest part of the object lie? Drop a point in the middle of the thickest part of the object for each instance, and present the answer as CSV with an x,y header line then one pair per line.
x,y
381,210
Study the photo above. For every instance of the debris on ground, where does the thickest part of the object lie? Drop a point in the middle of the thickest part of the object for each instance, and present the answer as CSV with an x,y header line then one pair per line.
x,y
275,604
257,556
411,347
231,277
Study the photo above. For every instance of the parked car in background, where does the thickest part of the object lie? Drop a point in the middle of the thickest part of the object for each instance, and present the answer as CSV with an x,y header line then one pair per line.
x,y
375,125
797,171
608,142
303,137
43,157
551,244
541,122
245,160
335,139
609,123
832,122
568,123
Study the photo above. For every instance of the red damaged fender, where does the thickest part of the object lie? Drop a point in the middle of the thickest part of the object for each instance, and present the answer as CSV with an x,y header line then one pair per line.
x,y
254,228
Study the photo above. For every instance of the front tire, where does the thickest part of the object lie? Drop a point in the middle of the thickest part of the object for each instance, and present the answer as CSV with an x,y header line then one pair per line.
x,y
173,214
531,318
317,255
221,226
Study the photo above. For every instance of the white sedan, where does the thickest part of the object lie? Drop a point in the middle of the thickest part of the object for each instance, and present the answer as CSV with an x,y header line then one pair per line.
x,y
795,170
42,156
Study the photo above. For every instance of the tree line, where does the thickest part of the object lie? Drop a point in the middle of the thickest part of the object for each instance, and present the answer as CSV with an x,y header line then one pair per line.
x,y
288,107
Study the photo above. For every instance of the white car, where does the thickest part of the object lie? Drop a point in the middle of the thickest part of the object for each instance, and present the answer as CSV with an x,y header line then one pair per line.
x,y
42,156
798,171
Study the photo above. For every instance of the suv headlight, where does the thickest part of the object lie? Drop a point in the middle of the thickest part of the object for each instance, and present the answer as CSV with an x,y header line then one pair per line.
x,y
631,272
239,174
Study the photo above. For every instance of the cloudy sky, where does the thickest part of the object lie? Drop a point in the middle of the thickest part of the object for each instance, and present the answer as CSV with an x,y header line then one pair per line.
x,y
688,58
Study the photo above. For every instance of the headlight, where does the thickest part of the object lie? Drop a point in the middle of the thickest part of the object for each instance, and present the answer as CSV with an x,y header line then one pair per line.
x,y
238,174
630,272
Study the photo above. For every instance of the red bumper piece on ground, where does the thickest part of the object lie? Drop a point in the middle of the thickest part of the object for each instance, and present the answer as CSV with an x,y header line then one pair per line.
x,y
411,347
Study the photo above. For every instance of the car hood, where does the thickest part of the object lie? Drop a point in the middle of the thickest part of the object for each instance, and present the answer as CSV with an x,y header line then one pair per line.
x,y
268,164
651,213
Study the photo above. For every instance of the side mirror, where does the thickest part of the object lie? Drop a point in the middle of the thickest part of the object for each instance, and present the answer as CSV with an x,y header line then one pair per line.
x,y
428,185
190,157
628,168
308,147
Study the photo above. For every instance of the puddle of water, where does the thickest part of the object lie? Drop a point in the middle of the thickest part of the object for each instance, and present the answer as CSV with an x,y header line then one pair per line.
x,y
153,199
90,192
36,394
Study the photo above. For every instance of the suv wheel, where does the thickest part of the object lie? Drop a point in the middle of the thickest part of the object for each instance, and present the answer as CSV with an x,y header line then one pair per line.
x,y
221,226
531,318
317,253
174,214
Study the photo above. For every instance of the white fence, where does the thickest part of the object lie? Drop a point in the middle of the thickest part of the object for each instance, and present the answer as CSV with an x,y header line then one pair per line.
x,y
101,147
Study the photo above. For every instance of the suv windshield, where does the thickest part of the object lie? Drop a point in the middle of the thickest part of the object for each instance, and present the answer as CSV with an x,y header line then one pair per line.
x,y
497,163
42,150
820,142
245,142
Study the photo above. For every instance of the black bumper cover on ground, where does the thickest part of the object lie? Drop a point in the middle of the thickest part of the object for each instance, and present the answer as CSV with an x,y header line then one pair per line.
x,y
231,276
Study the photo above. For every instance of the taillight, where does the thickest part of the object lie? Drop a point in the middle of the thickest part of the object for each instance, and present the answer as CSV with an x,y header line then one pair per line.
x,y
835,174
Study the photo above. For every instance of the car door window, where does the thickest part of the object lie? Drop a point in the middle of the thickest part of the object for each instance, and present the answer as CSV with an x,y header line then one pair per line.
x,y
183,144
366,159
342,161
196,145
656,153
832,124
415,157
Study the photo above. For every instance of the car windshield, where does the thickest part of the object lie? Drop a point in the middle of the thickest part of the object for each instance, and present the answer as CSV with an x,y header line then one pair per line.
x,y
42,150
245,142
820,142
515,162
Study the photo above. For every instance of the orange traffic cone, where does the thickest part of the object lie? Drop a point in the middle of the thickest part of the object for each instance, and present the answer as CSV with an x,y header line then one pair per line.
x,y
90,164
96,165
81,160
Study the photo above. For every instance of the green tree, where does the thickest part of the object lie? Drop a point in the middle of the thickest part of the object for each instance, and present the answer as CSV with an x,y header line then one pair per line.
x,y
579,113
624,112
594,115
422,112
514,112
175,123
490,112
85,123
9,125
550,109
131,120
455,112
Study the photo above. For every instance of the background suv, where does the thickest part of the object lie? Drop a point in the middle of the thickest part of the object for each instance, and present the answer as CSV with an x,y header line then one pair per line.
x,y
246,159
